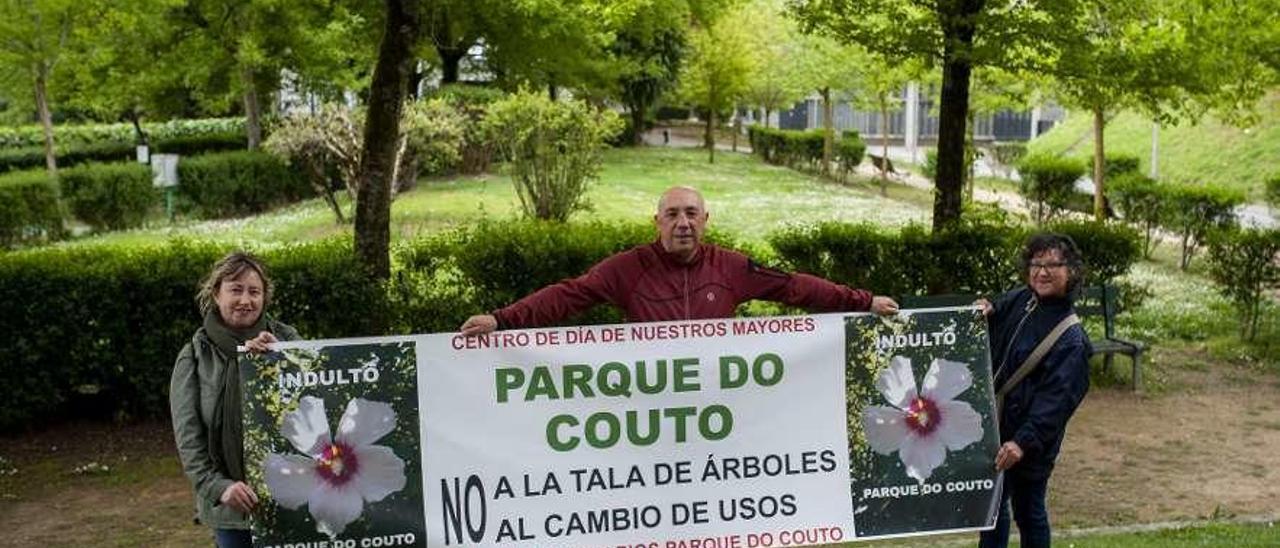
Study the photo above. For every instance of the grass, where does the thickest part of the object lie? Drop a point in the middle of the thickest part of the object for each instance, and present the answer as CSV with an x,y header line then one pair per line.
x,y
1219,533
1207,152
745,197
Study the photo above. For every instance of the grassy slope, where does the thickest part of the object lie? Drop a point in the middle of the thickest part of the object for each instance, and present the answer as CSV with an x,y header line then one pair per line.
x,y
1206,152
745,196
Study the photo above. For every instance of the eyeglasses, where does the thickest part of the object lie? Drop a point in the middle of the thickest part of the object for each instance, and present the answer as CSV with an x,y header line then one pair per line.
x,y
1045,266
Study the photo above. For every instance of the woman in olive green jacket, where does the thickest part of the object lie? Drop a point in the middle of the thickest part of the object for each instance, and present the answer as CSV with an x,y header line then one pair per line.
x,y
205,398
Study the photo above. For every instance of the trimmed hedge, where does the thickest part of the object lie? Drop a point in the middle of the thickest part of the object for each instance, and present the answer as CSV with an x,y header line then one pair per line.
x,y
230,184
118,151
29,208
793,149
979,256
102,338
110,320
1048,183
109,196
33,135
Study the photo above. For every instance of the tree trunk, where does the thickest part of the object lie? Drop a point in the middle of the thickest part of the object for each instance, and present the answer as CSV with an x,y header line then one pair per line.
x,y
46,119
637,123
828,135
734,125
1155,149
970,156
136,120
766,117
252,111
957,30
381,135
710,138
884,145
1099,162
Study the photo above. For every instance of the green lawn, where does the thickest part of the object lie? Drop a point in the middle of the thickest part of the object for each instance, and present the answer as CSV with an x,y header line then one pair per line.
x,y
1208,152
745,196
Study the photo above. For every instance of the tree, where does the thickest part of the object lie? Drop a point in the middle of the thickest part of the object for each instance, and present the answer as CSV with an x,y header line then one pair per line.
x,y
717,71
775,43
880,89
958,35
382,134
1126,56
828,68
33,35
647,52
238,47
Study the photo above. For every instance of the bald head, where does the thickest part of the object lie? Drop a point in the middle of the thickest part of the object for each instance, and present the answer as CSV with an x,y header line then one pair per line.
x,y
681,220
681,193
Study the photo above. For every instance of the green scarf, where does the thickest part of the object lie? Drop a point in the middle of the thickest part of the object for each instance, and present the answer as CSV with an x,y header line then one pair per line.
x,y
226,434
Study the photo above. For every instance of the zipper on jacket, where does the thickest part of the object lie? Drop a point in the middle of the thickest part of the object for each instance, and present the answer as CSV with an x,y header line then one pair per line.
x,y
686,295
1008,345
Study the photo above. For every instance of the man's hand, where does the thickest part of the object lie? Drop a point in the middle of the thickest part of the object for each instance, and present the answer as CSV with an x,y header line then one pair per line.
x,y
884,306
240,497
1008,455
479,325
987,309
260,344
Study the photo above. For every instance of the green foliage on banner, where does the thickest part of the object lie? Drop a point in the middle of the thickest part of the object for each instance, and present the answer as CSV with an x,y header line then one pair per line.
x,y
109,196
238,183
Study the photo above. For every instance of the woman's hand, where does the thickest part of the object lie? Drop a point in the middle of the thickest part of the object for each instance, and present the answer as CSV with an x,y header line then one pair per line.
x,y
1008,455
240,497
987,309
479,324
261,343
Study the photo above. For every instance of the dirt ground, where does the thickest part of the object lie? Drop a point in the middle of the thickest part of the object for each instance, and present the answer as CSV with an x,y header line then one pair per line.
x,y
1203,442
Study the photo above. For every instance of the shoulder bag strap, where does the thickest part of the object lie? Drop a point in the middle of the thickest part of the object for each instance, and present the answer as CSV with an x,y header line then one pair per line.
x,y
1037,354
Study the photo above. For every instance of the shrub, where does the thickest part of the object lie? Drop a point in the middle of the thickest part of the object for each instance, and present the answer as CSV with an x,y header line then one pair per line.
x,y
1272,191
109,196
850,150
228,184
1114,165
73,135
975,256
191,145
322,144
1193,211
433,134
29,208
1140,200
554,149
1109,250
69,155
472,102
110,320
930,167
1048,183
1009,154
1246,265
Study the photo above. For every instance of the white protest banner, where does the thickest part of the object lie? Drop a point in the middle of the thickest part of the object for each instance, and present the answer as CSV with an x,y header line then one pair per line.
x,y
725,433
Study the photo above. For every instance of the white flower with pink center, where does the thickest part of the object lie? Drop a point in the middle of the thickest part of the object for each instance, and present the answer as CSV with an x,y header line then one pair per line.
x,y
336,475
922,426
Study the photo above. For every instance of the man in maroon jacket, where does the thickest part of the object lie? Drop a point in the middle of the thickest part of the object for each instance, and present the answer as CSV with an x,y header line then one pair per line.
x,y
677,278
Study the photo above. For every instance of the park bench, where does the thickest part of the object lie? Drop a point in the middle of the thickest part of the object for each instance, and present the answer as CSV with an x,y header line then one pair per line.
x,y
1097,301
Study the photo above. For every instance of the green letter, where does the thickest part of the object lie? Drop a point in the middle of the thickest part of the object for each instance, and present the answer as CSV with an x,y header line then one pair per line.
x,y
553,426
505,379
685,378
733,372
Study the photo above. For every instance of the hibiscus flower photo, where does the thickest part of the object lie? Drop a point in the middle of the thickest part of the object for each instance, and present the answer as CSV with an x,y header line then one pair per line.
x,y
335,475
922,425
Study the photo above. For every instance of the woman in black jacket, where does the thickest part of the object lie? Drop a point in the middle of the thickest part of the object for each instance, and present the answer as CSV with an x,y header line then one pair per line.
x,y
1035,405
